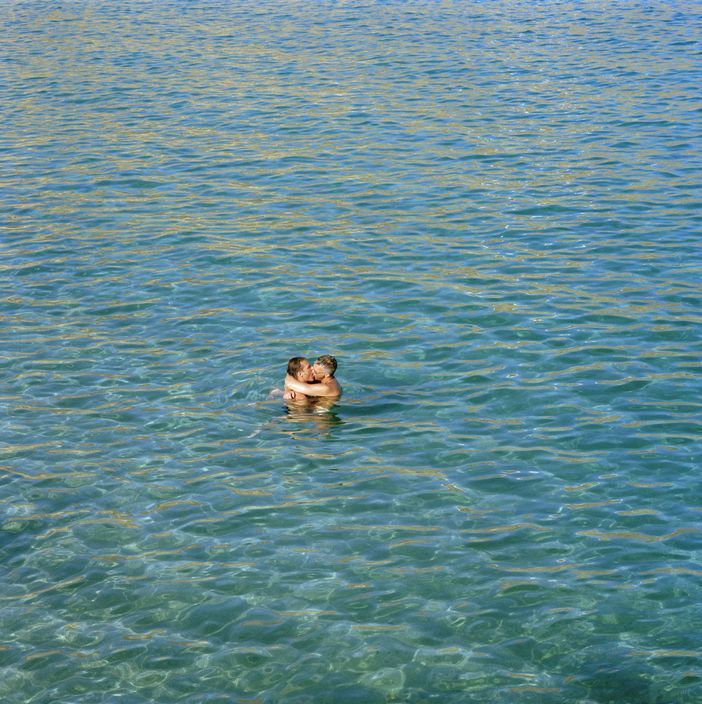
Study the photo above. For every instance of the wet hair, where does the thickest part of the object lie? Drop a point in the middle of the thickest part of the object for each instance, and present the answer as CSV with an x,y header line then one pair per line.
x,y
295,364
328,362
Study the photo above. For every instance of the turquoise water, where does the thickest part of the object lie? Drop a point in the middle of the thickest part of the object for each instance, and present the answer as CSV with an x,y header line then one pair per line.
x,y
490,213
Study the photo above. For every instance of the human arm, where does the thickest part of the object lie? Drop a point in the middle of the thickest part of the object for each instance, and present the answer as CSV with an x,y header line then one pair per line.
x,y
310,389
294,396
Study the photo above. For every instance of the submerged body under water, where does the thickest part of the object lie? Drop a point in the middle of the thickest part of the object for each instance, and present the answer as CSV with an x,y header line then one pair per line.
x,y
489,213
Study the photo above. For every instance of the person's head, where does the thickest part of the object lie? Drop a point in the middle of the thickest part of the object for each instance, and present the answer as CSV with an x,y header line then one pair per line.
x,y
324,366
300,369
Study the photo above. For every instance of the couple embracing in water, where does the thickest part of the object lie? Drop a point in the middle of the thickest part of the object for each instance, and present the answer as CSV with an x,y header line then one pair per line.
x,y
307,383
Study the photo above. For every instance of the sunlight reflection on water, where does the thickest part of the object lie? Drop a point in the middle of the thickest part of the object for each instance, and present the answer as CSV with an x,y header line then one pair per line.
x,y
488,213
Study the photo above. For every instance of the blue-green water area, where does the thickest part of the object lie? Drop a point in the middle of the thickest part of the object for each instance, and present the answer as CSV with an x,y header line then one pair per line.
x,y
490,213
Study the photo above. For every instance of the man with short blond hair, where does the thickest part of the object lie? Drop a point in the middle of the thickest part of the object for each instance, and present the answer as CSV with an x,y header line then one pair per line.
x,y
324,366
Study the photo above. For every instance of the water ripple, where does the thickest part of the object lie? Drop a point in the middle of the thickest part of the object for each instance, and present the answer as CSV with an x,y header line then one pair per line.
x,y
489,213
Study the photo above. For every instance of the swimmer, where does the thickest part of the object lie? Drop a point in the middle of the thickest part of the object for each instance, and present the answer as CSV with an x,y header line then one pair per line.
x,y
299,372
322,385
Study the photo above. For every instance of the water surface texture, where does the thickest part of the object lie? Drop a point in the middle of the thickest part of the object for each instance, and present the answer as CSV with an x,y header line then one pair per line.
x,y
490,213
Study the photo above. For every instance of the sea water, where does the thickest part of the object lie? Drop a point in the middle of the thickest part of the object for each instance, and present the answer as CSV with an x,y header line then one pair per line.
x,y
489,212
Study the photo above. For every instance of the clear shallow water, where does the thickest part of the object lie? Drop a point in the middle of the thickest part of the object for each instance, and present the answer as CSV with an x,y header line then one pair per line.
x,y
490,213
